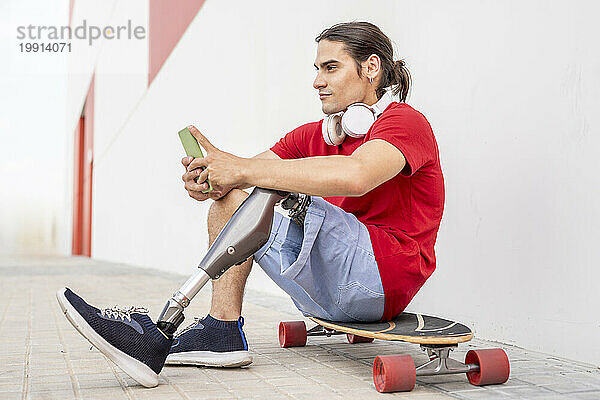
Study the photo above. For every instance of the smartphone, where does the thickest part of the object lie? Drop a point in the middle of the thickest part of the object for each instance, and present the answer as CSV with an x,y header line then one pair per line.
x,y
192,149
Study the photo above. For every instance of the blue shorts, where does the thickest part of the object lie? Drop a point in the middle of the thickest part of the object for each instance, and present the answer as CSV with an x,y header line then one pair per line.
x,y
327,266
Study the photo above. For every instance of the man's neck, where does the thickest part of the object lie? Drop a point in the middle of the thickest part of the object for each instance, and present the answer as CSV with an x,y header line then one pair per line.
x,y
370,99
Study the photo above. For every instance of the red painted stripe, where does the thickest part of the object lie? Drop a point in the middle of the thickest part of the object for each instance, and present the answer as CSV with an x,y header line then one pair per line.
x,y
88,166
82,173
71,5
167,23
76,248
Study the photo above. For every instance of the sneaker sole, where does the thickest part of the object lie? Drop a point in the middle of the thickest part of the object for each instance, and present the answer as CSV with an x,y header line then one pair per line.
x,y
139,371
210,358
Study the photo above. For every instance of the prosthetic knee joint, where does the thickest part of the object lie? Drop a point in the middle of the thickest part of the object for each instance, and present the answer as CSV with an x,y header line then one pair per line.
x,y
297,204
245,232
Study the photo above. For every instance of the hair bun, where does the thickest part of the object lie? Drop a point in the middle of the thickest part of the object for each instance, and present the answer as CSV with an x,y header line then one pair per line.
x,y
399,63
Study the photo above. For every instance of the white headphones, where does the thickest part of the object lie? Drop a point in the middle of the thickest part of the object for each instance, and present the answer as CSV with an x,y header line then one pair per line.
x,y
355,121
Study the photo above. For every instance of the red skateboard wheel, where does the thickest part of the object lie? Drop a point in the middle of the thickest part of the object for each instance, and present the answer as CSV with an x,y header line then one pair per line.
x,y
358,339
493,364
292,333
394,373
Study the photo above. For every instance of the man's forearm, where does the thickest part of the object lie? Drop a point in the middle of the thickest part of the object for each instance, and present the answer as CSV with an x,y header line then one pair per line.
x,y
318,176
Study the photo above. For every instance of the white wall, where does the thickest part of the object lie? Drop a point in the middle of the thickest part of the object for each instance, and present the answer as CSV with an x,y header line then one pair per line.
x,y
508,88
510,91
32,159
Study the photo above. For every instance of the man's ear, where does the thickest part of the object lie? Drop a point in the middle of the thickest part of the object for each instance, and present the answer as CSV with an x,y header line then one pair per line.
x,y
372,66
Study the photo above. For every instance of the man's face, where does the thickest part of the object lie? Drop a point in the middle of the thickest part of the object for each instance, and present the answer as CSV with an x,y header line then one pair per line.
x,y
337,80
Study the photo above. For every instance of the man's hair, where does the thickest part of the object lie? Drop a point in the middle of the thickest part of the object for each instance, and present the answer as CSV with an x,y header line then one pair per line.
x,y
361,40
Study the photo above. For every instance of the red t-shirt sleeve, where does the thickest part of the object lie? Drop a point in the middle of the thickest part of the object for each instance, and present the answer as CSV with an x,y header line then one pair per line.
x,y
293,144
409,132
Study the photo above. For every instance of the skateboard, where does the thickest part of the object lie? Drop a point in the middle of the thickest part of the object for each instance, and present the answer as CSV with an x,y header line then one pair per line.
x,y
395,373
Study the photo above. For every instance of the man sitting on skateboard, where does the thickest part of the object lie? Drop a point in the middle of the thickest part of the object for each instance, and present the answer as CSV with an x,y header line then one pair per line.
x,y
359,242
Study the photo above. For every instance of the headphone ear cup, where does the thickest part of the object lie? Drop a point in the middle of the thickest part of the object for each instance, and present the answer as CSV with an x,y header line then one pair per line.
x,y
333,134
357,120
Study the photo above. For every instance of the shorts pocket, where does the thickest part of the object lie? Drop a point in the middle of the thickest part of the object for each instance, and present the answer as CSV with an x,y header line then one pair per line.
x,y
359,302
312,225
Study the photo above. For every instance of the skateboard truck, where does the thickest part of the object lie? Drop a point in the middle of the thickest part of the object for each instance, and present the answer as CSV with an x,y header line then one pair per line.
x,y
319,330
441,364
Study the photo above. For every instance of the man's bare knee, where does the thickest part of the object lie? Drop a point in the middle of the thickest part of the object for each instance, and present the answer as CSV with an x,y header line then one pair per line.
x,y
235,196
230,202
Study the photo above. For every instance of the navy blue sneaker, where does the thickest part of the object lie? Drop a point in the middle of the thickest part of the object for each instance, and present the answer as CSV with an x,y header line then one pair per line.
x,y
211,342
128,338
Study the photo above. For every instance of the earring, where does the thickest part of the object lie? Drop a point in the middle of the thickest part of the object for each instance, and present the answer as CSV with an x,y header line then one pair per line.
x,y
371,80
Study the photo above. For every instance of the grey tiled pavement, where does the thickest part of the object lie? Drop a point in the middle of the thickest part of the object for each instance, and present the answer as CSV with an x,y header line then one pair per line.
x,y
43,357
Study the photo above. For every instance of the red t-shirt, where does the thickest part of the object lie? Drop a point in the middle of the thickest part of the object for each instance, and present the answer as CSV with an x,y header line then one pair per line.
x,y
403,214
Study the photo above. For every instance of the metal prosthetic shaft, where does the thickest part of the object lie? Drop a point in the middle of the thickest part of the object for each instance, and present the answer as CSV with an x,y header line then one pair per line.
x,y
245,232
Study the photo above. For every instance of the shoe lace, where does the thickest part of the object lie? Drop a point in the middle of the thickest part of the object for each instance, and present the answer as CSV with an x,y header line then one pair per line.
x,y
117,312
190,326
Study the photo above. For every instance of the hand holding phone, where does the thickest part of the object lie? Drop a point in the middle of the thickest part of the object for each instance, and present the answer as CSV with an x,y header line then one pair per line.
x,y
192,149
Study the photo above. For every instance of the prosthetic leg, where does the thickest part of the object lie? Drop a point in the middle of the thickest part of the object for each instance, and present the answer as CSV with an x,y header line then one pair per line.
x,y
245,232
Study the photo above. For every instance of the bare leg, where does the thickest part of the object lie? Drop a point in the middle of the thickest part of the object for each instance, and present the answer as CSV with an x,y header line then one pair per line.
x,y
228,290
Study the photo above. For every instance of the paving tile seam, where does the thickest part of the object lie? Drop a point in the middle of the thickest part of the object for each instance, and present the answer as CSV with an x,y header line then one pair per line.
x,y
249,370
224,387
303,374
126,389
570,392
176,388
343,354
65,355
27,350
310,377
5,311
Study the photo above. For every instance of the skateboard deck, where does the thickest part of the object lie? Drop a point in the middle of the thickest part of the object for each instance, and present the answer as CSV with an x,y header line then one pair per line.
x,y
407,327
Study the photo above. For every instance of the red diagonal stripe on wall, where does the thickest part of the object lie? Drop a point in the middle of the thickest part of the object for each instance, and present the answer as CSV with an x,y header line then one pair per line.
x,y
168,21
71,4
